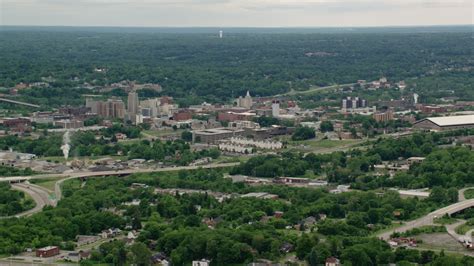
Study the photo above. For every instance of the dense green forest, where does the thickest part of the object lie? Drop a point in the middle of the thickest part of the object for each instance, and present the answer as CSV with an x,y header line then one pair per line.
x,y
13,201
309,223
12,171
246,228
104,143
200,66
444,166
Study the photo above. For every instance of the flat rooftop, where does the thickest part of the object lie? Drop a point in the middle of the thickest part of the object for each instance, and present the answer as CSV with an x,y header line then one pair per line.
x,y
216,131
457,120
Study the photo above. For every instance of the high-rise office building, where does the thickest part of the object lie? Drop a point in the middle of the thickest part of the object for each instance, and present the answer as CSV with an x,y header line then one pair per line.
x,y
132,107
112,108
353,103
159,107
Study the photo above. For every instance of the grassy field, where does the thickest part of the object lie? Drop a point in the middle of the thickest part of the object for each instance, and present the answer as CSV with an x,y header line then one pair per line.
x,y
440,241
231,159
47,183
463,229
325,143
469,194
161,133
445,220
322,145
130,141
392,226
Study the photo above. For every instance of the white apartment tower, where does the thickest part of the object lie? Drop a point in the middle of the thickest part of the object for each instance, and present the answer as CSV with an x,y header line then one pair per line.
x,y
275,108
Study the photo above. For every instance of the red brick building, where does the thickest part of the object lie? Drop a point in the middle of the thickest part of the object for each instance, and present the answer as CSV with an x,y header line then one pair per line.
x,y
182,116
17,125
383,117
166,100
47,252
427,109
16,122
234,116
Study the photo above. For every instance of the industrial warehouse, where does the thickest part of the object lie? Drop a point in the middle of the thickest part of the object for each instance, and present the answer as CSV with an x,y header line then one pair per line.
x,y
446,123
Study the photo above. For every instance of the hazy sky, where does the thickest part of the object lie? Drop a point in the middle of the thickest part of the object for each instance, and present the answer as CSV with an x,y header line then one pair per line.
x,y
228,13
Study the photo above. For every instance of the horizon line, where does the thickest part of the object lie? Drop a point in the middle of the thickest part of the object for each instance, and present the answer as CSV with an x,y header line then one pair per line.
x,y
247,27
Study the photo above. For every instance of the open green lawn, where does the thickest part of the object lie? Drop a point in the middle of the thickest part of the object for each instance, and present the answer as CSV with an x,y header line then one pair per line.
x,y
47,183
161,133
469,193
231,159
464,228
392,226
325,143
130,141
322,144
445,220
438,242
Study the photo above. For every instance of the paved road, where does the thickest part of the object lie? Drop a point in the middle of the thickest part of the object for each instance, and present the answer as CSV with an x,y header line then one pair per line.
x,y
315,89
119,172
57,186
40,195
428,219
451,229
18,102
468,234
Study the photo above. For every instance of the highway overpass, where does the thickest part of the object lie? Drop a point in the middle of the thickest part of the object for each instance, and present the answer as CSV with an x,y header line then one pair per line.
x,y
18,102
42,196
428,219
16,179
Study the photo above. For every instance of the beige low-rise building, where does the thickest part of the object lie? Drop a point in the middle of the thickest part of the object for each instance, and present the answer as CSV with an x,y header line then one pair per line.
x,y
215,134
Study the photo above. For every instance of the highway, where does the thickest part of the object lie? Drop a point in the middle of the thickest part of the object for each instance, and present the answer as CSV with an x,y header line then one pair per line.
x,y
428,219
41,197
315,89
112,173
18,102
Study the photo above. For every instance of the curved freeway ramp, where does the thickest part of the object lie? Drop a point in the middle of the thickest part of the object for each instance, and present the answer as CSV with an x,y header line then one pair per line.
x,y
13,179
428,219
40,196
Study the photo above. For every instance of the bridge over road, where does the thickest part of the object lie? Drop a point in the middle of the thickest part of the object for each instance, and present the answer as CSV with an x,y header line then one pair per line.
x,y
42,197
16,179
428,219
